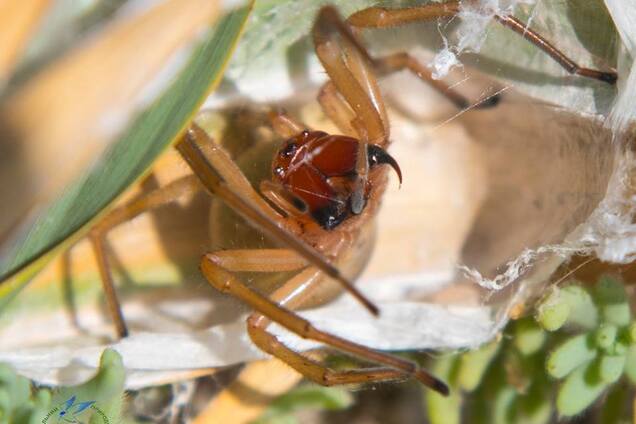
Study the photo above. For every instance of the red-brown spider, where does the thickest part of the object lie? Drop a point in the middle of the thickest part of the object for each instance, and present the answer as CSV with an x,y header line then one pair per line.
x,y
323,196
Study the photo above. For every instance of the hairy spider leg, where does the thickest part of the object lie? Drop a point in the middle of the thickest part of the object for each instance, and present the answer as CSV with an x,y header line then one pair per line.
x,y
147,201
380,17
112,300
351,72
383,66
218,269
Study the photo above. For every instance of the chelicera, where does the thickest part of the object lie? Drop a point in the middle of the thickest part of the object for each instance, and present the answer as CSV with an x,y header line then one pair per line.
x,y
322,197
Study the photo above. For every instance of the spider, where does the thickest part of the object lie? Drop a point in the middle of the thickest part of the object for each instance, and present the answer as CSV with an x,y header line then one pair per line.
x,y
322,197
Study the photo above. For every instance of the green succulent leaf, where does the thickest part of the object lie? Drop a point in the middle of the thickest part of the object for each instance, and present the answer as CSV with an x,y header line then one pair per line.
x,y
504,405
582,387
611,367
630,364
572,305
606,336
583,310
474,364
529,336
535,406
553,311
105,390
572,353
445,409
593,359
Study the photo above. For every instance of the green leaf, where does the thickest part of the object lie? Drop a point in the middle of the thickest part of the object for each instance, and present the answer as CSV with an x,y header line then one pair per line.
x,y
630,364
529,336
571,305
504,405
106,388
16,403
445,409
126,160
553,313
606,336
474,364
583,311
631,333
575,351
611,367
582,387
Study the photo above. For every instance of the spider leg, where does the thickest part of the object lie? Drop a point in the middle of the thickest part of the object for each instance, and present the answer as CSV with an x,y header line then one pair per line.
x,y
226,171
147,201
112,300
310,368
259,260
283,199
337,109
404,61
284,125
351,72
293,294
382,17
566,63
379,17
126,212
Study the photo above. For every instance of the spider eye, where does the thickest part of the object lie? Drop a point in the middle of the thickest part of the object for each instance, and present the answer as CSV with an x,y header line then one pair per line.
x,y
279,170
289,150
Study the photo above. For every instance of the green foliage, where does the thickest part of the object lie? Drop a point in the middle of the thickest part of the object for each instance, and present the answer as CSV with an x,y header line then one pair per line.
x,y
20,402
583,339
474,364
16,401
591,361
445,409
553,312
529,337
576,351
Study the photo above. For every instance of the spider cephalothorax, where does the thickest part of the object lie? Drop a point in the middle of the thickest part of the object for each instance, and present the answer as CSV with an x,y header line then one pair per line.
x,y
319,170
